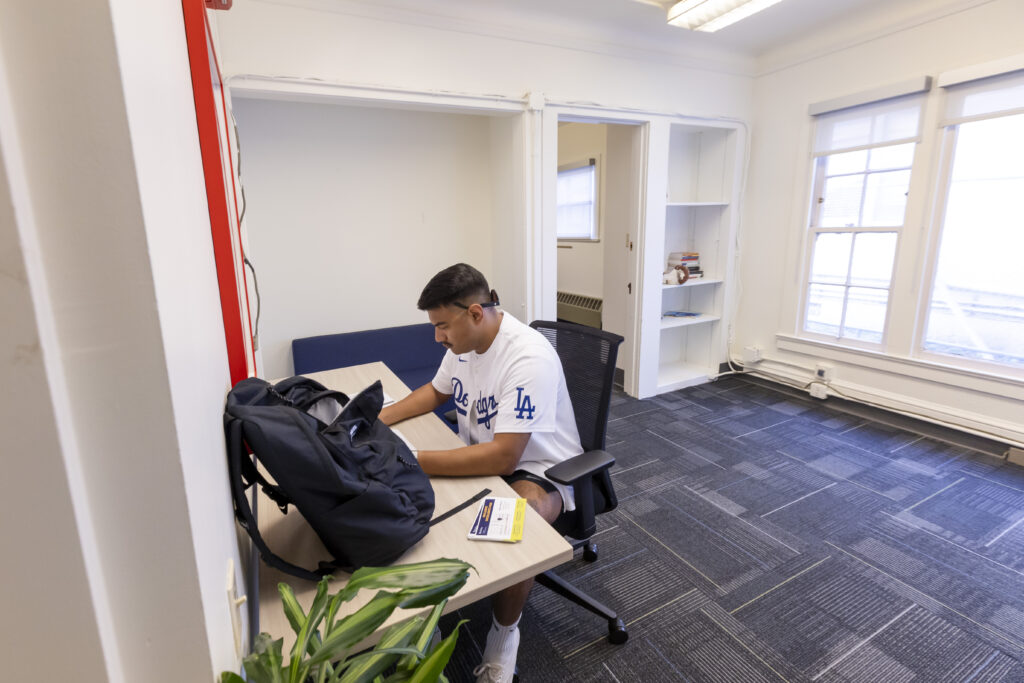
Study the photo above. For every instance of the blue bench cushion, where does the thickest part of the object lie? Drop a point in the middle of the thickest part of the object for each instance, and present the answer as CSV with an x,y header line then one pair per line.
x,y
407,347
409,350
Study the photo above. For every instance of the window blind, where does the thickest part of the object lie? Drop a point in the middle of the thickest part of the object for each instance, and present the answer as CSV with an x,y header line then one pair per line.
x,y
878,123
985,97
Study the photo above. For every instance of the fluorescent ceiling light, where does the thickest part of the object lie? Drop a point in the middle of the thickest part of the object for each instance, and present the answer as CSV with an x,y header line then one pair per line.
x,y
711,15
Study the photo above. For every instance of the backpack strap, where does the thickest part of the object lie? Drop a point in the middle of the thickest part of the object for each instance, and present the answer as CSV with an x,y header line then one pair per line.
x,y
251,475
236,454
458,508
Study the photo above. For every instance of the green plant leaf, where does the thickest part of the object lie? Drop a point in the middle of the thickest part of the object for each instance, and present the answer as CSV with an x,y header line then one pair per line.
x,y
291,607
381,658
230,677
263,665
357,626
407,576
296,617
433,594
299,670
432,668
422,640
397,651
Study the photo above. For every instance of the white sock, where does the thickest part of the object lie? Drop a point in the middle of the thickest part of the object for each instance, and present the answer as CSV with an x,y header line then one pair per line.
x,y
500,637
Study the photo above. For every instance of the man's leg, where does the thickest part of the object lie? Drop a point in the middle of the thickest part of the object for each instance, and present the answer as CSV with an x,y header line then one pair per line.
x,y
507,605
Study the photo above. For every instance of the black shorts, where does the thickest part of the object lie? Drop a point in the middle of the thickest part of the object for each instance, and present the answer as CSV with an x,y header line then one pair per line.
x,y
523,475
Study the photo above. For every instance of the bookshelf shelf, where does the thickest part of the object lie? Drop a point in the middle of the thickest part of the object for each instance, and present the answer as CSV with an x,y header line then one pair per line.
x,y
693,283
673,376
668,322
695,204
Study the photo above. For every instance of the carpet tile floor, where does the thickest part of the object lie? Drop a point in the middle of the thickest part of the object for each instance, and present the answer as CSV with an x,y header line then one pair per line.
x,y
765,537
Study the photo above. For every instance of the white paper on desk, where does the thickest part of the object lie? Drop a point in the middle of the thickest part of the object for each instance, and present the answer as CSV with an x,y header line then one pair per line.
x,y
387,399
408,443
499,519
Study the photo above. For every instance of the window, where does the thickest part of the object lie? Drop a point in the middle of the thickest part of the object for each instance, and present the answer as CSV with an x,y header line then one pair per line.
x,y
577,201
863,158
976,304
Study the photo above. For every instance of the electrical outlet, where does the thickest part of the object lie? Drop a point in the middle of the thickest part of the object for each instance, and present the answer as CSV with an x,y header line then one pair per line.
x,y
751,355
823,372
819,390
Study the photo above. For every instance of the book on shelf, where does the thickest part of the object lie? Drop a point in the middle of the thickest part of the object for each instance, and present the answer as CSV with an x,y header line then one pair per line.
x,y
676,255
679,314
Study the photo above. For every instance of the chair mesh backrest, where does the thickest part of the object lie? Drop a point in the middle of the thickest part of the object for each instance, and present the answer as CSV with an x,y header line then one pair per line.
x,y
588,360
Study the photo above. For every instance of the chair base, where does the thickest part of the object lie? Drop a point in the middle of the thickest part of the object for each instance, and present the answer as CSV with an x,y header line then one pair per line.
x,y
616,628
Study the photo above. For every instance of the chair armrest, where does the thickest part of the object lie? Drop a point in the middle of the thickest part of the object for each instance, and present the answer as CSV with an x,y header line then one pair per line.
x,y
577,467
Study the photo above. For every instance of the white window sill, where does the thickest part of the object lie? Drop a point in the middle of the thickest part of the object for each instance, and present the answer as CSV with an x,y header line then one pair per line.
x,y
976,380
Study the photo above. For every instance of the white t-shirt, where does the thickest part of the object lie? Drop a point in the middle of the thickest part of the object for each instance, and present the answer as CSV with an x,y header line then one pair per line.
x,y
516,386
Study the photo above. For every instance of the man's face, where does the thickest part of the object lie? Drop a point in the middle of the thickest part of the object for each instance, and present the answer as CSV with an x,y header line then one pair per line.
x,y
455,328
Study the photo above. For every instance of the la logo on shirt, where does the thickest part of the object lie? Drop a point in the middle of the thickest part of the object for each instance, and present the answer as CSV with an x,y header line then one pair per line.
x,y
524,406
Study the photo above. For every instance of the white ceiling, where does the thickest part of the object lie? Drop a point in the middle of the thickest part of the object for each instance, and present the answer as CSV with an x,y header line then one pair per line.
x,y
781,33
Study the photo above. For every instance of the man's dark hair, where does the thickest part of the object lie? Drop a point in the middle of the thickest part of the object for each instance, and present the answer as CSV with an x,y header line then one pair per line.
x,y
458,284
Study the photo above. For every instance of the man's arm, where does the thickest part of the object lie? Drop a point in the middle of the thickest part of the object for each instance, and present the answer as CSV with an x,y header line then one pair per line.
x,y
500,456
422,400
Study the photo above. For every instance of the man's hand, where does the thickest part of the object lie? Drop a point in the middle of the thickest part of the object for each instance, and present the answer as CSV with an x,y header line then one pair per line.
x,y
422,400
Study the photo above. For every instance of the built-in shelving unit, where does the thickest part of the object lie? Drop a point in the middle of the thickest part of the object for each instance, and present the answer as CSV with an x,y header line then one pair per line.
x,y
700,215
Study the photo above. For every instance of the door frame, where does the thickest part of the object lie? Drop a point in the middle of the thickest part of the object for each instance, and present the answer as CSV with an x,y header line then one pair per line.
x,y
555,113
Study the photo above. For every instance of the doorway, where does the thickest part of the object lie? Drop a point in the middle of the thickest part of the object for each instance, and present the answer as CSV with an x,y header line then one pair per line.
x,y
599,192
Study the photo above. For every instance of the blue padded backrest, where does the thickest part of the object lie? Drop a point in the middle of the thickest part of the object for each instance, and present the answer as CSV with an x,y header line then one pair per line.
x,y
408,347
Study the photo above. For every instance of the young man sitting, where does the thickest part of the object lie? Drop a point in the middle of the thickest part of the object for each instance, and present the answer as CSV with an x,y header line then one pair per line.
x,y
514,416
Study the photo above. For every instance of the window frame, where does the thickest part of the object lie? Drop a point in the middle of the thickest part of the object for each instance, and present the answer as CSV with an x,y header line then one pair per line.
x,y
812,230
593,162
946,138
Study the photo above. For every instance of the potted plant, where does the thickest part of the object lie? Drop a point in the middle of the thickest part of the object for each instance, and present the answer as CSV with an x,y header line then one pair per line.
x,y
323,643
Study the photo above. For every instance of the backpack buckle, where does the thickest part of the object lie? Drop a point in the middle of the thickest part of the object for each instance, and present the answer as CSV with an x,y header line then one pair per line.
x,y
275,494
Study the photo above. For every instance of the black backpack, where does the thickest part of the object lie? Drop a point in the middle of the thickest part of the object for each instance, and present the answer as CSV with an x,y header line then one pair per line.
x,y
352,478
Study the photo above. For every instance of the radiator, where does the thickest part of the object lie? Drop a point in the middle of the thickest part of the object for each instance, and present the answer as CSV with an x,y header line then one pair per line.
x,y
577,308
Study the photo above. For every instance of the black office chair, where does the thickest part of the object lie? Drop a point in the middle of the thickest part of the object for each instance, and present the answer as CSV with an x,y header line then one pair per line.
x,y
588,359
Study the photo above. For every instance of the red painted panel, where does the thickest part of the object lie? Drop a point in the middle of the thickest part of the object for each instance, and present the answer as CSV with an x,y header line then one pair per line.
x,y
199,54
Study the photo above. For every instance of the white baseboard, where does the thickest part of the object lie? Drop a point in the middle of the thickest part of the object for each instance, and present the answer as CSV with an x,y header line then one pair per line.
x,y
972,423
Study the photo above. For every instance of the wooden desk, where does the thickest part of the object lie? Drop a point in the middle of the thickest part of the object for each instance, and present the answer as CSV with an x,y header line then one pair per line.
x,y
498,565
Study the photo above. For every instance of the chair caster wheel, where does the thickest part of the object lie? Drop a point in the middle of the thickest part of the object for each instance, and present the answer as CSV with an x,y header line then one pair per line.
x,y
617,632
590,552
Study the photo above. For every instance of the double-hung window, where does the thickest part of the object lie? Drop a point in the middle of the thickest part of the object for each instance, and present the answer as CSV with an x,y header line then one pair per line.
x,y
975,311
577,201
863,157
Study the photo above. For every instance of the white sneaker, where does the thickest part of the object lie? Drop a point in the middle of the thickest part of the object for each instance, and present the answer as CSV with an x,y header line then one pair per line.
x,y
493,673
499,661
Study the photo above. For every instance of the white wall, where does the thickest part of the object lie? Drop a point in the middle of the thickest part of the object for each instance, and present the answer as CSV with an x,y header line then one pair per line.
x,y
508,273
45,573
353,209
581,264
124,476
353,42
778,190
